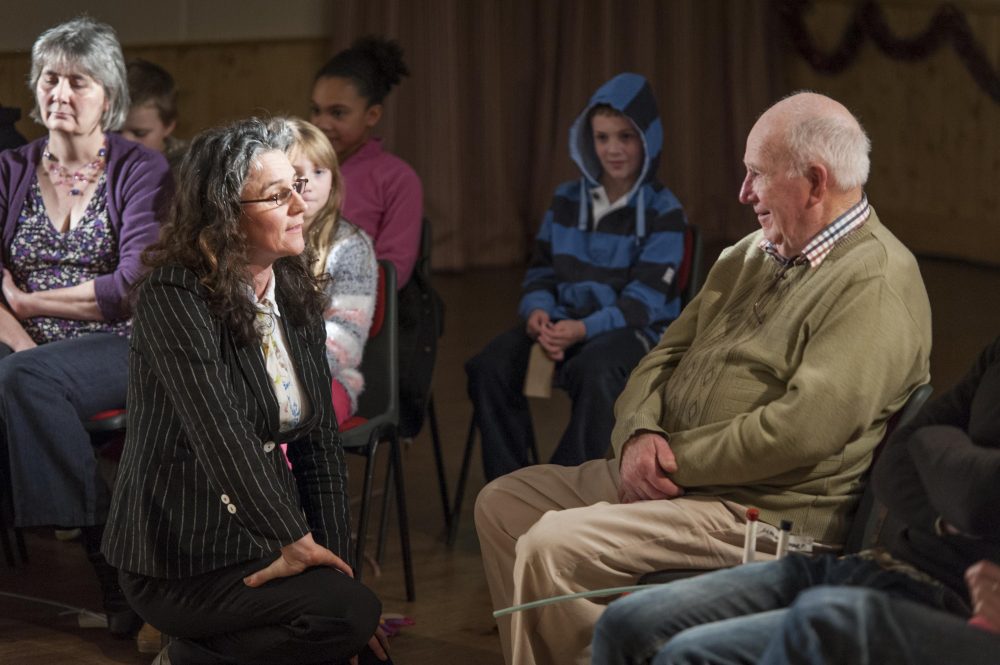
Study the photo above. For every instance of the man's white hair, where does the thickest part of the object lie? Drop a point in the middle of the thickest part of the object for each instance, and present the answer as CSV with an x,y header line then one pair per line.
x,y
837,141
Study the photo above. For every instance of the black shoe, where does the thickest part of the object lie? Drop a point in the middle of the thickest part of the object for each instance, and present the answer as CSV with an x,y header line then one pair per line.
x,y
123,622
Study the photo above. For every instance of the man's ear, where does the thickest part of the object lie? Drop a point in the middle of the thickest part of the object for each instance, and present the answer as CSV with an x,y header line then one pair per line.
x,y
169,129
819,182
372,115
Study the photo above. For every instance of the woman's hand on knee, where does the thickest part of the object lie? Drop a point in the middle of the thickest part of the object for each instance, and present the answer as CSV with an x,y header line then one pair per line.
x,y
295,558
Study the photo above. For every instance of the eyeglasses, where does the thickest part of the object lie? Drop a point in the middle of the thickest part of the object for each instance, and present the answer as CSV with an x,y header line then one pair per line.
x,y
282,197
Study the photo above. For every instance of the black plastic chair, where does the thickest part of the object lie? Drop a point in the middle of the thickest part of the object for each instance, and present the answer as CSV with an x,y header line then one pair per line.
x,y
377,422
870,515
423,269
692,271
689,277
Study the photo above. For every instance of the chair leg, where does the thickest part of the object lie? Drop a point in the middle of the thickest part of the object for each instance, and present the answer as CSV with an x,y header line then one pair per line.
x,y
7,544
9,554
8,551
439,462
387,493
463,476
404,524
366,500
22,548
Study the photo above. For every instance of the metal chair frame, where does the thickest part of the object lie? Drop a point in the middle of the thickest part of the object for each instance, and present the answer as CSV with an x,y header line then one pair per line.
x,y
379,405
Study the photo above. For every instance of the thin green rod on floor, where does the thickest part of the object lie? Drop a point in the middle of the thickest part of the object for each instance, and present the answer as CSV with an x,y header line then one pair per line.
x,y
613,591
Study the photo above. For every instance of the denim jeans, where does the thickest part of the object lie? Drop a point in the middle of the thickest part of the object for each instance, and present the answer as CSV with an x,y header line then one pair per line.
x,y
730,616
45,393
854,625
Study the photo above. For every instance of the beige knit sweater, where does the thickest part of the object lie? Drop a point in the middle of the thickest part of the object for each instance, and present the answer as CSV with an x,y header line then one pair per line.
x,y
783,415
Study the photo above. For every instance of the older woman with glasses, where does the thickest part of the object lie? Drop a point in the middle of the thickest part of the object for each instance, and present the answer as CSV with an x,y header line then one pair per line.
x,y
219,543
77,208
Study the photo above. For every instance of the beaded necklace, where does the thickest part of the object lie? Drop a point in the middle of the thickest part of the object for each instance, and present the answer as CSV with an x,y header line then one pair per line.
x,y
86,174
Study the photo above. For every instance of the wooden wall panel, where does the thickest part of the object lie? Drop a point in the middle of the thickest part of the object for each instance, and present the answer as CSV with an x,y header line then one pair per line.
x,y
935,134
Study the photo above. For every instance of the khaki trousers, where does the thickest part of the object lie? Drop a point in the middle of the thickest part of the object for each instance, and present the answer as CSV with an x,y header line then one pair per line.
x,y
549,530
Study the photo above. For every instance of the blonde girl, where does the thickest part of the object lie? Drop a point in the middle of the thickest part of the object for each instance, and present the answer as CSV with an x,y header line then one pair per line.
x,y
345,253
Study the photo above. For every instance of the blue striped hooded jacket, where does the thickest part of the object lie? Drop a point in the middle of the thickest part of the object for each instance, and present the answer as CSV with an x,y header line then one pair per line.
x,y
620,270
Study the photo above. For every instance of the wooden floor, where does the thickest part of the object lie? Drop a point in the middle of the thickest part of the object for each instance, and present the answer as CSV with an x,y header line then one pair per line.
x,y
452,610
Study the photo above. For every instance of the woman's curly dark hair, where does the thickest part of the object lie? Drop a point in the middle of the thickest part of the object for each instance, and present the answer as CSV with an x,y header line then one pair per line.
x,y
203,231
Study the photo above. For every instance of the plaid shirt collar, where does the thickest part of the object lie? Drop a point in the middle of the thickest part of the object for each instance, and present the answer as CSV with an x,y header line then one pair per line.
x,y
824,241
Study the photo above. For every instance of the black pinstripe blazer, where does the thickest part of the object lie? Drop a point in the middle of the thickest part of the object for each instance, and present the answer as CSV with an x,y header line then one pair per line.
x,y
202,483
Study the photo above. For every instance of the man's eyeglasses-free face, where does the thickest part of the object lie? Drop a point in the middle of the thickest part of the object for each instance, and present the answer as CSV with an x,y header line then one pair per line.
x,y
282,197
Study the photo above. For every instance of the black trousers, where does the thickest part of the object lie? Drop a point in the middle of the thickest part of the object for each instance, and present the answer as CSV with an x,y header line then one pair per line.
x,y
319,616
593,372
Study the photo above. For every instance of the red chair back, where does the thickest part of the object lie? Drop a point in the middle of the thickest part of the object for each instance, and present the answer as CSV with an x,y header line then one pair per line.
x,y
378,316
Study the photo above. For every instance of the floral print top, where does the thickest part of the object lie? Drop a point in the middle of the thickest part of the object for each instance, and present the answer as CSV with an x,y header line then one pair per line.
x,y
41,258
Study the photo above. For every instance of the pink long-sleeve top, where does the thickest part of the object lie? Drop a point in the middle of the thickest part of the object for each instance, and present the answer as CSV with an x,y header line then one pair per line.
x,y
383,196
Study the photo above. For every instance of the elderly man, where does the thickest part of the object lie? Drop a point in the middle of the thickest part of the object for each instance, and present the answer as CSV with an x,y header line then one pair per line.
x,y
905,602
770,390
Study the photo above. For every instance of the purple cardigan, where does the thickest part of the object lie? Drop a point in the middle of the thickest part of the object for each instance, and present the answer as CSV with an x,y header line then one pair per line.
x,y
139,189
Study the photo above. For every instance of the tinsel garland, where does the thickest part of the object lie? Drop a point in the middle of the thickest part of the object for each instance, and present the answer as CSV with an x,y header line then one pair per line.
x,y
948,25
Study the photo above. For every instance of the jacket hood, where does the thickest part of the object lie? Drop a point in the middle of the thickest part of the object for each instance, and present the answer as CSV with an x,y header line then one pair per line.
x,y
631,95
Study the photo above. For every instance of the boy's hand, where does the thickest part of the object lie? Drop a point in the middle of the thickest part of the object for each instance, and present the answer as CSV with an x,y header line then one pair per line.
x,y
555,338
537,321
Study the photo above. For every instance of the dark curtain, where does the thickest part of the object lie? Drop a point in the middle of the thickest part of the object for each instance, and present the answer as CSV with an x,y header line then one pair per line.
x,y
496,83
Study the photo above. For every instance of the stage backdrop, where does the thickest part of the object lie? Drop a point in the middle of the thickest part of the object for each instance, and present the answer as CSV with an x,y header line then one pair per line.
x,y
935,130
496,83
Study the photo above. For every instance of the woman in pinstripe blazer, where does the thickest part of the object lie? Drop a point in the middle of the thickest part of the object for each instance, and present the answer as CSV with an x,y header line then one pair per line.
x,y
218,542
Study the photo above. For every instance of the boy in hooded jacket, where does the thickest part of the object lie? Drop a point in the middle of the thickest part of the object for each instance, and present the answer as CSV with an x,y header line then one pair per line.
x,y
600,290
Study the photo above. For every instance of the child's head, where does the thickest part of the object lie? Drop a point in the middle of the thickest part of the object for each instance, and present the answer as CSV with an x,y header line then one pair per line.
x,y
153,113
348,92
618,146
313,157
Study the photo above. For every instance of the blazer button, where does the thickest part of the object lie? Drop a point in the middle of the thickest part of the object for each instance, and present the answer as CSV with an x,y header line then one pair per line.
x,y
269,446
231,508
225,498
